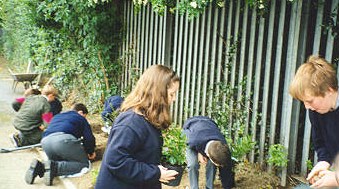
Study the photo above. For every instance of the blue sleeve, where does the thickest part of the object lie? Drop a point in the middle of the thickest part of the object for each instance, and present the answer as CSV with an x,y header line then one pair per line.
x,y
318,140
227,176
120,159
89,139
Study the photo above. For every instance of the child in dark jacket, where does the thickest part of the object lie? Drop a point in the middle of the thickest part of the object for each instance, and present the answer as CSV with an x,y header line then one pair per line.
x,y
133,152
112,104
69,143
207,145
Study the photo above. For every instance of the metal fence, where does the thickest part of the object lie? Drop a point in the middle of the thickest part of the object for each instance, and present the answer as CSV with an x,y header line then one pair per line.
x,y
255,51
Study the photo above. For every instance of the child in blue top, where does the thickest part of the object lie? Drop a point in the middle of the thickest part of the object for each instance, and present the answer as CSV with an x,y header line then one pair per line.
x,y
316,85
207,145
133,152
112,104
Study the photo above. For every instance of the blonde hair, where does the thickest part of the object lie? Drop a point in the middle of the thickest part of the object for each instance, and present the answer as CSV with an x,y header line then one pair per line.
x,y
150,97
315,77
49,89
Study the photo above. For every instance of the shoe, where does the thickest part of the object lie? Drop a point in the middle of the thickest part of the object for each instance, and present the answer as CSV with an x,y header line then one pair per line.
x,y
15,140
36,168
50,172
106,129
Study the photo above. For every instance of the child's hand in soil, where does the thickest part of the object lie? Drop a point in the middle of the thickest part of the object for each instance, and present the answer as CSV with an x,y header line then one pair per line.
x,y
166,175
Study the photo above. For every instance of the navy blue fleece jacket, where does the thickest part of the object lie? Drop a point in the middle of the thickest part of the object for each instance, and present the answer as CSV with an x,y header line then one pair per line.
x,y
325,134
73,123
132,155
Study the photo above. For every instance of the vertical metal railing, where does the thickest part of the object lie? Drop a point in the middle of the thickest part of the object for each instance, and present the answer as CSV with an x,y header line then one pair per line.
x,y
266,84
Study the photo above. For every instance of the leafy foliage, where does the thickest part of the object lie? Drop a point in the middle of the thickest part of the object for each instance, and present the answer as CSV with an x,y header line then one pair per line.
x,y
76,41
309,164
174,147
193,8
231,119
331,23
277,155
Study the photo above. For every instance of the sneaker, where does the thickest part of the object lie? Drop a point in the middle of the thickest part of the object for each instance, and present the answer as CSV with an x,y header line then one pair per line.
x,y
36,168
50,172
106,129
15,140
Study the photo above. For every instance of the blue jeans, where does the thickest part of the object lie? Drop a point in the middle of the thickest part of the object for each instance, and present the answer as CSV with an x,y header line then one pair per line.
x,y
193,170
67,151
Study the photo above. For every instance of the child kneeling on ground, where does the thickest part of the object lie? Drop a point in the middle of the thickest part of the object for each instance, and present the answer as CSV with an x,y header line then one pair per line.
x,y
69,145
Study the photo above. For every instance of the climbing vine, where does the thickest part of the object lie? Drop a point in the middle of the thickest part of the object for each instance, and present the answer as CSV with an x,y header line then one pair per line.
x,y
194,8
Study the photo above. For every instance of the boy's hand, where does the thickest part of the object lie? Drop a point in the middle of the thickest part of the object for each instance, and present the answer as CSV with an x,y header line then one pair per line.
x,y
92,156
202,159
326,179
320,166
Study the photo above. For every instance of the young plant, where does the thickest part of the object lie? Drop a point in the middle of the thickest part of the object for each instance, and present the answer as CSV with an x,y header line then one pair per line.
x,y
173,151
309,164
277,156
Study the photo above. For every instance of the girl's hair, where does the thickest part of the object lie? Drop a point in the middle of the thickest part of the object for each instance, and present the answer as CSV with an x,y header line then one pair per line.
x,y
314,77
150,97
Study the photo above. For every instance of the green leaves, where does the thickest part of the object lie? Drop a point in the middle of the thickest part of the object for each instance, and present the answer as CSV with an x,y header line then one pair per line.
x,y
76,41
277,155
174,147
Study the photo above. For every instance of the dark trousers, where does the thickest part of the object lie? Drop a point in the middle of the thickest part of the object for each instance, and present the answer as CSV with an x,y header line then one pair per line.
x,y
30,137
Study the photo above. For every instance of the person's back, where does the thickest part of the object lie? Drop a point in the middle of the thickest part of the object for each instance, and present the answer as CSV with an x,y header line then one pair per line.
x,y
73,123
69,145
112,103
16,105
29,115
33,117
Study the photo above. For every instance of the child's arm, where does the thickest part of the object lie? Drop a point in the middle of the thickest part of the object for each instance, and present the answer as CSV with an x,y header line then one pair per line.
x,y
16,105
227,175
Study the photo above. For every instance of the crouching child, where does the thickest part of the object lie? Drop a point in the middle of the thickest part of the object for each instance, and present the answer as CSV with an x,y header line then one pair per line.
x,y
207,145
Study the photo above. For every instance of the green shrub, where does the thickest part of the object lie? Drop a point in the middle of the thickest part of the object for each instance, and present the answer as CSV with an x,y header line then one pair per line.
x,y
174,148
277,155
